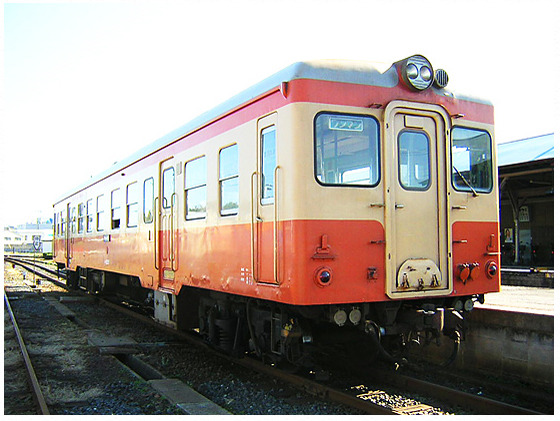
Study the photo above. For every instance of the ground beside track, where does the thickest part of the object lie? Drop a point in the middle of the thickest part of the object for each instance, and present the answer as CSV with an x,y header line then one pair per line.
x,y
74,377
521,299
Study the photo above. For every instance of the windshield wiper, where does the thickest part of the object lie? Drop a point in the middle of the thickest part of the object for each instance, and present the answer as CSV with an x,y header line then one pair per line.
x,y
465,181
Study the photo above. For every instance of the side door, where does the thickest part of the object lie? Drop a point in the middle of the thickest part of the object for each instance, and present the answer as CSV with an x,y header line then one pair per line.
x,y
70,233
265,203
166,216
418,243
68,236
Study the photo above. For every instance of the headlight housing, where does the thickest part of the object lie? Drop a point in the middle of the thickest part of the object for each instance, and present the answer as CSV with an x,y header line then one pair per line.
x,y
417,72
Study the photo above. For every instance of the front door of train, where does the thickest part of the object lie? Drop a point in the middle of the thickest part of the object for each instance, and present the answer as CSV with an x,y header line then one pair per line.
x,y
166,237
418,249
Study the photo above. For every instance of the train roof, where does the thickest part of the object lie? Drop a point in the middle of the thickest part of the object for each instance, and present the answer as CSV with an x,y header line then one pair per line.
x,y
343,71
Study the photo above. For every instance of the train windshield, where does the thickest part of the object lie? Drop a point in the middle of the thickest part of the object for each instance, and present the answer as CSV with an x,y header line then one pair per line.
x,y
346,150
471,158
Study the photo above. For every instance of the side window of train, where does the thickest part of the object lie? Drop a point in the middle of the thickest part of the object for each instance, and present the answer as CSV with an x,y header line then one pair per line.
x,y
115,209
268,164
229,180
414,160
73,220
148,200
132,205
471,160
346,150
81,218
100,213
89,215
195,188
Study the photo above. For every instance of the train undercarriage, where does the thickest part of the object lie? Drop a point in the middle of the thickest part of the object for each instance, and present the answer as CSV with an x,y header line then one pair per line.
x,y
297,335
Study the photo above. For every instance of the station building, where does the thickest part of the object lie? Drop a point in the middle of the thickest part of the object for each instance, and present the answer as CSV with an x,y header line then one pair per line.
x,y
20,239
526,175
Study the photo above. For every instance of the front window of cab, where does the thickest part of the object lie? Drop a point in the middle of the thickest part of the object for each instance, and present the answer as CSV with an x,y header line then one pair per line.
x,y
471,159
346,150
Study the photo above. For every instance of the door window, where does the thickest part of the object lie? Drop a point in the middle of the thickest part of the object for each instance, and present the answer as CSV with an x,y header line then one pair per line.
x,y
168,186
414,160
268,164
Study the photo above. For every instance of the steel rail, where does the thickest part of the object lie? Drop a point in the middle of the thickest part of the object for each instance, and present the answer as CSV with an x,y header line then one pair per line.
x,y
34,382
36,268
484,405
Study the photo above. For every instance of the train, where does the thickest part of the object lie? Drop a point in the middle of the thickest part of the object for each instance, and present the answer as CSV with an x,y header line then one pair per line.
x,y
330,203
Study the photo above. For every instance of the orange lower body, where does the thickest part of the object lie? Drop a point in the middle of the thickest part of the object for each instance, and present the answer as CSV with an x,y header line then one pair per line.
x,y
229,258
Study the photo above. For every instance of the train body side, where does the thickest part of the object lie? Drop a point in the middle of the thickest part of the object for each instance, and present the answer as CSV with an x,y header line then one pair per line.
x,y
278,251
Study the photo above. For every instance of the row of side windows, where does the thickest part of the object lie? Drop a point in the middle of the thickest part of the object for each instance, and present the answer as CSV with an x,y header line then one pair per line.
x,y
92,217
195,182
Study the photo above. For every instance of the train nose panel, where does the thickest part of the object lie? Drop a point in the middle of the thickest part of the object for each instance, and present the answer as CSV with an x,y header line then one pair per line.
x,y
419,274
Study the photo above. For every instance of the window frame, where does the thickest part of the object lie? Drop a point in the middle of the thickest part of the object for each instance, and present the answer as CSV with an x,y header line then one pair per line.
x,y
81,218
131,206
492,159
150,219
377,155
63,222
429,151
99,212
221,180
115,209
89,215
188,187
73,220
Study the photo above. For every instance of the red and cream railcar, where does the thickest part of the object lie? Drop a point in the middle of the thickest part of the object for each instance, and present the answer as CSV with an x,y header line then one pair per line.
x,y
328,193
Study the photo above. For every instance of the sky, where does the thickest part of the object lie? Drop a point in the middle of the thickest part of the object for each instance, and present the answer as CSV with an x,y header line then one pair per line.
x,y
86,84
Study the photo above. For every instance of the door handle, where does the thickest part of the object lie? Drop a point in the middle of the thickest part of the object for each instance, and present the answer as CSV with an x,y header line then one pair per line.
x,y
399,206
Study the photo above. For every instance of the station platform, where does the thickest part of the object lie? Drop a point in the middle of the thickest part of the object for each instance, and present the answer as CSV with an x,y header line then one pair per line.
x,y
521,299
527,276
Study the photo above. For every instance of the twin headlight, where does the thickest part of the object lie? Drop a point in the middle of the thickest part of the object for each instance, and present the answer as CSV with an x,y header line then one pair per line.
x,y
417,72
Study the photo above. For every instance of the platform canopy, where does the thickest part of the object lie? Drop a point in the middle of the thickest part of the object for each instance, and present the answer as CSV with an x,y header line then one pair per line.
x,y
526,150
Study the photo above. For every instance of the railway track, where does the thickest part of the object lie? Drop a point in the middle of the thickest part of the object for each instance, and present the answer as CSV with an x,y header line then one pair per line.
x,y
369,400
72,375
38,396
